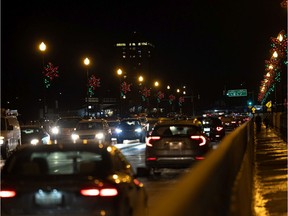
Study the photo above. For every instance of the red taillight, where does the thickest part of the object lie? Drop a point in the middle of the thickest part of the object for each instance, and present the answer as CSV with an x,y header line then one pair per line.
x,y
99,192
151,159
152,138
7,193
201,138
219,128
199,158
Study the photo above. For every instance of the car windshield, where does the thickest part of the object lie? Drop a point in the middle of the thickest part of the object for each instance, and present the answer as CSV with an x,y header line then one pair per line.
x,y
171,130
68,123
58,163
113,124
90,126
27,131
129,124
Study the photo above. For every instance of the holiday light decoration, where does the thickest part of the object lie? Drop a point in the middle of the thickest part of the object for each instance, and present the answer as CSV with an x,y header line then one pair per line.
x,y
50,72
145,93
93,83
171,98
160,96
180,100
125,88
273,66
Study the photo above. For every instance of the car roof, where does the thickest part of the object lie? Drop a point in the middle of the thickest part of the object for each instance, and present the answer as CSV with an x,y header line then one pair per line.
x,y
66,147
175,122
91,120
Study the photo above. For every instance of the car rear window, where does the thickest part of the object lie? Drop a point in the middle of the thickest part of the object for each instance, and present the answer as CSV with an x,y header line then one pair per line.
x,y
172,130
58,163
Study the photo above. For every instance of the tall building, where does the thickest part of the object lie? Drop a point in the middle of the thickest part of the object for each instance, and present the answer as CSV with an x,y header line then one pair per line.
x,y
135,56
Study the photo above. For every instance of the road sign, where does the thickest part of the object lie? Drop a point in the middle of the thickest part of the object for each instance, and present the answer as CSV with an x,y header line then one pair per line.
x,y
237,93
269,104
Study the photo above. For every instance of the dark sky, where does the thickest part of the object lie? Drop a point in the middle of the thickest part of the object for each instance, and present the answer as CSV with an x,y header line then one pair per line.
x,y
205,45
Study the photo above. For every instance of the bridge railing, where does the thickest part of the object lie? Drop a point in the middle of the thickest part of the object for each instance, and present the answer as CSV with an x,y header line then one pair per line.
x,y
221,184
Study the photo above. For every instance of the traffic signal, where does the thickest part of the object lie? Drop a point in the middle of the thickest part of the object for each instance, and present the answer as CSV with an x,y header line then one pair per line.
x,y
249,103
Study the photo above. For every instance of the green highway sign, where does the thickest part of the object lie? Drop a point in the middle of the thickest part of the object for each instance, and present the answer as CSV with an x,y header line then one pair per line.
x,y
237,93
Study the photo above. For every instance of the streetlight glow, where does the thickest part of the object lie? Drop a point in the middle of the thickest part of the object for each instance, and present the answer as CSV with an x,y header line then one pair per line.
x,y
156,83
140,79
42,47
86,61
275,54
119,72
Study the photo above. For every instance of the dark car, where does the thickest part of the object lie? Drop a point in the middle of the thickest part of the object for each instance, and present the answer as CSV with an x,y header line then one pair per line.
x,y
34,135
96,130
70,179
130,129
63,128
230,122
175,144
213,127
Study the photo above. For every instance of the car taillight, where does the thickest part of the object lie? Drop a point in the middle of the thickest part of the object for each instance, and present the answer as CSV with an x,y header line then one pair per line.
x,y
151,159
152,138
202,139
7,193
99,192
219,128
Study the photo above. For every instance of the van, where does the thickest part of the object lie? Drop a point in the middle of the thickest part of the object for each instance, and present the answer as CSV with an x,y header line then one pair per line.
x,y
10,137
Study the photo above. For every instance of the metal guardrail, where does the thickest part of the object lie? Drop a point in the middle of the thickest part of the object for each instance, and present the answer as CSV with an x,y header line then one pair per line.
x,y
220,185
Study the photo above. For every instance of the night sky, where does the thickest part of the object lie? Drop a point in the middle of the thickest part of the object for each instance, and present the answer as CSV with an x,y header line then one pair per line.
x,y
207,45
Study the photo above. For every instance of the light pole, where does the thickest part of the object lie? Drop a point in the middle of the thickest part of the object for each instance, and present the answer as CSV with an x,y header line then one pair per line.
x,y
42,48
87,63
120,74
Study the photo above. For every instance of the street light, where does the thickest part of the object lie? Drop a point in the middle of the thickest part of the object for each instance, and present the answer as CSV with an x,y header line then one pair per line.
x,y
120,73
42,48
86,62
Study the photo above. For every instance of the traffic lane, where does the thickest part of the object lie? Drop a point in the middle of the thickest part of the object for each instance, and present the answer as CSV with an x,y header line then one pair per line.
x,y
154,185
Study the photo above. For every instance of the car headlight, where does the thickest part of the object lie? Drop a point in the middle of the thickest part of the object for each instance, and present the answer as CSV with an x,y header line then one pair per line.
x,y
34,141
75,136
55,130
118,130
1,140
138,130
99,136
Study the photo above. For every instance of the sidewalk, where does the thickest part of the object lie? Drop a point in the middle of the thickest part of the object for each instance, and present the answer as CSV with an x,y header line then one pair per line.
x,y
270,180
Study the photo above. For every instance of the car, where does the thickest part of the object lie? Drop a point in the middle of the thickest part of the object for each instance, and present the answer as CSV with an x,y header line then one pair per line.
x,y
71,179
213,127
34,135
10,136
175,144
130,129
230,123
63,128
113,123
92,130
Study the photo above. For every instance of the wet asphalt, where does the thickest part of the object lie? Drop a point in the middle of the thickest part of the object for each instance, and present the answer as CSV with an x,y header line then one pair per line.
x,y
270,179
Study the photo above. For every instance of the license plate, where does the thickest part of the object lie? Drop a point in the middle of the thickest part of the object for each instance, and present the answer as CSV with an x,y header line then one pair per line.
x,y
206,129
44,198
175,145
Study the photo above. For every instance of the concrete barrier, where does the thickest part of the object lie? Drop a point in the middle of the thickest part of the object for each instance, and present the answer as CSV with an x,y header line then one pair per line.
x,y
219,185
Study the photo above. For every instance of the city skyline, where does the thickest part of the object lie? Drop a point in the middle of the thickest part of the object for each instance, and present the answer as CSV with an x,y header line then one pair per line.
x,y
206,45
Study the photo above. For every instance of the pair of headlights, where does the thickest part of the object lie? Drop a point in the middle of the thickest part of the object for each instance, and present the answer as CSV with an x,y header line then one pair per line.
x,y
98,136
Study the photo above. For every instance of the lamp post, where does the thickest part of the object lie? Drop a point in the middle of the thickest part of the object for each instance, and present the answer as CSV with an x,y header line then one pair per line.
x,y
42,48
119,74
87,63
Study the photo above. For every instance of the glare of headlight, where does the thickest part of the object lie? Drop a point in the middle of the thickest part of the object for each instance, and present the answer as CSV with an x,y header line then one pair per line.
x,y
75,136
34,141
55,130
99,136
1,140
118,130
138,130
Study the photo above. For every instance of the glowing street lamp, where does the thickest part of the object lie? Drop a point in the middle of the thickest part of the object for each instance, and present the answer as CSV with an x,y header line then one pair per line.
x,y
42,48
86,62
156,83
